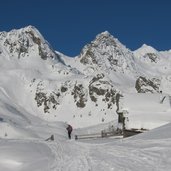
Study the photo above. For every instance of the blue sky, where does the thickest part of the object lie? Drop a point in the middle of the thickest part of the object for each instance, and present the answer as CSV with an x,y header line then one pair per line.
x,y
70,24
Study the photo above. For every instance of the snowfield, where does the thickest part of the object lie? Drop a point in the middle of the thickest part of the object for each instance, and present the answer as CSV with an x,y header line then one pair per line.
x,y
151,151
42,90
23,146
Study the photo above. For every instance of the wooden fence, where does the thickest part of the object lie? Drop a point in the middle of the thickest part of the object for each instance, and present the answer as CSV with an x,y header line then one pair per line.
x,y
103,134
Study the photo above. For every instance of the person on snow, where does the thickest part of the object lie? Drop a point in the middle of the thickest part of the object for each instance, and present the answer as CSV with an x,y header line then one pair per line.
x,y
69,129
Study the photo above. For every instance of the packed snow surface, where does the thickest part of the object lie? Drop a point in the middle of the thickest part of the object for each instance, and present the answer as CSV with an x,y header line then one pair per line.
x,y
149,152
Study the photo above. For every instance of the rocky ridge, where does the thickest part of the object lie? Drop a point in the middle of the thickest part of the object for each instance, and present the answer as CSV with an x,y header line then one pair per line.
x,y
89,82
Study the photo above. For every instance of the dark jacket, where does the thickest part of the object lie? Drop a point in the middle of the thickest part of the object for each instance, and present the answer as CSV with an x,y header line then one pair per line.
x,y
69,128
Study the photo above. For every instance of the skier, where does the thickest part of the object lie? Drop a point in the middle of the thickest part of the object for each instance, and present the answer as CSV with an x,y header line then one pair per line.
x,y
69,129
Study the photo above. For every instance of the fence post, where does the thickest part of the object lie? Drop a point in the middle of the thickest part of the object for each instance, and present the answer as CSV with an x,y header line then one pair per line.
x,y
76,137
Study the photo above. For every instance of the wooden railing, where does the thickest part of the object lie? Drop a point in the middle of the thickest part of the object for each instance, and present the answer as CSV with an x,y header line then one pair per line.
x,y
99,135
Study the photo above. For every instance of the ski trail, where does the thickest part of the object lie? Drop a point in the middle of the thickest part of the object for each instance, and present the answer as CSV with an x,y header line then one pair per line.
x,y
70,156
57,151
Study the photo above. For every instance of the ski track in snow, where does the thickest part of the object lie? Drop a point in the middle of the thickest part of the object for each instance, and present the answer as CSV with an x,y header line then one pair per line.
x,y
70,157
105,154
79,156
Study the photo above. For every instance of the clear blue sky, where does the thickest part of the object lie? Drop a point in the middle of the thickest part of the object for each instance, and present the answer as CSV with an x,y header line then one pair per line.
x,y
70,24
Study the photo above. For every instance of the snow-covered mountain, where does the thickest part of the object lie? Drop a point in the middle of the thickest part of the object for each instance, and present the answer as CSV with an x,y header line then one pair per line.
x,y
106,54
40,87
45,81
25,41
45,85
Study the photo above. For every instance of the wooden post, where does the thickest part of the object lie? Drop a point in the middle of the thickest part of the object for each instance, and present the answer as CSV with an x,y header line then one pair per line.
x,y
76,137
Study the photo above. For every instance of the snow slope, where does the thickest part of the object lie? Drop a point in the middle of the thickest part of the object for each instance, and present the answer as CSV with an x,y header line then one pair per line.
x,y
146,111
41,90
23,145
149,151
45,81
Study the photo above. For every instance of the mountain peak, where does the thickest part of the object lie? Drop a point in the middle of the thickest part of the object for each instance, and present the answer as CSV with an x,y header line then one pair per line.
x,y
106,52
29,28
25,41
144,49
145,46
106,33
104,36
33,32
